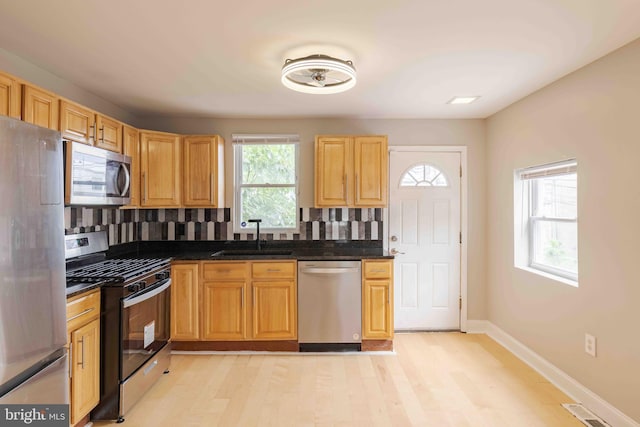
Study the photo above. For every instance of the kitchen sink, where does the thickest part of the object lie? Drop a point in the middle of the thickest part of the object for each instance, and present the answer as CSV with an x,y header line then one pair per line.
x,y
251,252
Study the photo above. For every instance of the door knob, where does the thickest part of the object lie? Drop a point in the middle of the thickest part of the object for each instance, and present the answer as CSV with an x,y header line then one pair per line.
x,y
394,238
394,251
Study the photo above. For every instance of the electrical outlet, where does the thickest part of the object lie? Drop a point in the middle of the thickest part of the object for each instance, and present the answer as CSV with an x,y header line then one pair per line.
x,y
590,345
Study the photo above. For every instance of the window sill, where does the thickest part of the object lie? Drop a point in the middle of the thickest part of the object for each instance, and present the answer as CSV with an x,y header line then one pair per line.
x,y
549,276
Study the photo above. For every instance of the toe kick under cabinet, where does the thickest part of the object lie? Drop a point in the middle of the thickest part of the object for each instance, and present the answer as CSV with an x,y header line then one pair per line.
x,y
234,305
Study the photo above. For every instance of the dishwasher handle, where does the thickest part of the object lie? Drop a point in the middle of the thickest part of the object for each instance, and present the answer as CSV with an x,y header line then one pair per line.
x,y
330,270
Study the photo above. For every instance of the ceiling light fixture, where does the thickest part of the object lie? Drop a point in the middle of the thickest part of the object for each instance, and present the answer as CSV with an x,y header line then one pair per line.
x,y
462,99
318,74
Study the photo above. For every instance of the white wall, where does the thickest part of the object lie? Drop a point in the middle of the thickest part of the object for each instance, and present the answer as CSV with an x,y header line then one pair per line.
x,y
468,133
592,115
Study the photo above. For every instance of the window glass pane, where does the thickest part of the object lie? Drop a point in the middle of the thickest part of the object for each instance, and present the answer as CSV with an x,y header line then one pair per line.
x,y
275,206
269,164
556,197
555,244
423,176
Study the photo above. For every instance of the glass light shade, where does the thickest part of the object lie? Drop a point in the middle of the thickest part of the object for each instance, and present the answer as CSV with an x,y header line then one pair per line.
x,y
318,74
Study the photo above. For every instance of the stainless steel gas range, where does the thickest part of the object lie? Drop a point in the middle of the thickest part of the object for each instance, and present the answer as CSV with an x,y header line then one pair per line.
x,y
135,324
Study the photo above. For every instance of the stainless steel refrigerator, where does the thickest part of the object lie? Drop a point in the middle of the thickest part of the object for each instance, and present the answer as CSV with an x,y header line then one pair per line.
x,y
33,328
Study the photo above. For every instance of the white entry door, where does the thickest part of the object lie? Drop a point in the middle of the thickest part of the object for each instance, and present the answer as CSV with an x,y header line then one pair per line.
x,y
424,229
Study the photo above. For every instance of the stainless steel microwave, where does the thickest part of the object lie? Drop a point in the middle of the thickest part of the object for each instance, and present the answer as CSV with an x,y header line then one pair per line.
x,y
94,176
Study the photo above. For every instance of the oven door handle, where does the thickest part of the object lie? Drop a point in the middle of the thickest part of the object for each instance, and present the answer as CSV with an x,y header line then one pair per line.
x,y
147,295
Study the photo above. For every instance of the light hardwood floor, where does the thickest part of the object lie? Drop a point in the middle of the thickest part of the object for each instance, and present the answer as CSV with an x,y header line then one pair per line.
x,y
434,379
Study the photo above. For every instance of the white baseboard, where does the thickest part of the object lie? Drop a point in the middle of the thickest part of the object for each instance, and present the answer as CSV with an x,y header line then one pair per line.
x,y
477,326
557,377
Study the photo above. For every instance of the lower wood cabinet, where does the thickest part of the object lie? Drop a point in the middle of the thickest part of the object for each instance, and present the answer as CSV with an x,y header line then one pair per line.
x,y
83,324
274,300
184,301
377,299
234,301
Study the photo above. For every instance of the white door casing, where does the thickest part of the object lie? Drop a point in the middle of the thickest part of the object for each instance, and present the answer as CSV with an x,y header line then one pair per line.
x,y
425,228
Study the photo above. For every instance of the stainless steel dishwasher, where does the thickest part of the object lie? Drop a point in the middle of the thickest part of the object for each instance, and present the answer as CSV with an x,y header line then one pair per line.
x,y
329,305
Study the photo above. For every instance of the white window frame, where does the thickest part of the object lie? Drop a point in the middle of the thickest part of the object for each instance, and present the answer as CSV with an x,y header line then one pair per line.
x,y
240,140
527,218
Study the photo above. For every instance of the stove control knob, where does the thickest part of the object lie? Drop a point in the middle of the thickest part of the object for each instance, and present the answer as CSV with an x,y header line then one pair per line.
x,y
132,287
162,275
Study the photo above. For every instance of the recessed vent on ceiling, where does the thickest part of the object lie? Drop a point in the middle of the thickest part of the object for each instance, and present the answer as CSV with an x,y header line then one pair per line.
x,y
587,417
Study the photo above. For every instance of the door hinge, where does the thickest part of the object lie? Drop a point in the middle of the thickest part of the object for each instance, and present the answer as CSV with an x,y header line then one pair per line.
x,y
460,302
461,237
460,171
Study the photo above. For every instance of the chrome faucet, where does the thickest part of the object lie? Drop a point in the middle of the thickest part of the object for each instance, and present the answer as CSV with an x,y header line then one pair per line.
x,y
257,221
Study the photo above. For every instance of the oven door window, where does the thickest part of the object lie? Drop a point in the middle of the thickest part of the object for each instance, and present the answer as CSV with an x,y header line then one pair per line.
x,y
145,327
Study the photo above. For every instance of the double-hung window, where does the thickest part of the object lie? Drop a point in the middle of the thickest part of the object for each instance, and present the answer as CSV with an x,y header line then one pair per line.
x,y
547,219
266,184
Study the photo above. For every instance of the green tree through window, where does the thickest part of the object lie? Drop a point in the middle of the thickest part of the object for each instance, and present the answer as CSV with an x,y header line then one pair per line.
x,y
266,185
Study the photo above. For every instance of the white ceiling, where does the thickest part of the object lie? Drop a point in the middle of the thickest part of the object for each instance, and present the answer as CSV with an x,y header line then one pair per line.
x,y
223,58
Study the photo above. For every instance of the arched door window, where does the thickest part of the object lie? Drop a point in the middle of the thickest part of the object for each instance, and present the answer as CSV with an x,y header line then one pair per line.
x,y
424,175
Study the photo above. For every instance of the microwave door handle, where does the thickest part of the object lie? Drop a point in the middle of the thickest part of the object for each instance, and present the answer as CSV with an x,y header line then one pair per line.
x,y
127,179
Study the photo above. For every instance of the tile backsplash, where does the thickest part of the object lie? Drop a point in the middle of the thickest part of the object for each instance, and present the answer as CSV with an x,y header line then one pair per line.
x,y
131,225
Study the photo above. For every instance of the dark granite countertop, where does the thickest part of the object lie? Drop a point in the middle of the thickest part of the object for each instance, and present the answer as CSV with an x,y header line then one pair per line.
x,y
298,250
309,250
81,288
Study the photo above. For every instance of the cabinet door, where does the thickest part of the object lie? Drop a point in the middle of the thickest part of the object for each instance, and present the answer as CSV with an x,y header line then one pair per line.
x,y
85,370
109,134
39,107
200,171
160,169
131,148
332,171
77,123
370,170
274,310
184,302
224,311
9,96
377,313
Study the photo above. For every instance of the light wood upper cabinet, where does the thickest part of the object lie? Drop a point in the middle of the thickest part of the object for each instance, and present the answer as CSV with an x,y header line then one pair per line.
x,y
371,170
40,107
185,324
77,123
108,133
9,96
377,299
83,324
332,170
83,125
131,148
160,171
203,171
351,171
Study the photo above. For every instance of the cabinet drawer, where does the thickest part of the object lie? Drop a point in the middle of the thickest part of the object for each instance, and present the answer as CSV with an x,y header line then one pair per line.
x,y
377,269
224,270
270,269
82,309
